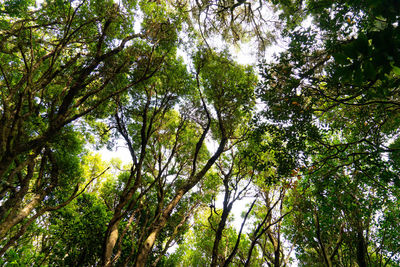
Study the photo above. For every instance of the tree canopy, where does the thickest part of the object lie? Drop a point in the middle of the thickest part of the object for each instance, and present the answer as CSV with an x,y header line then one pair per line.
x,y
293,161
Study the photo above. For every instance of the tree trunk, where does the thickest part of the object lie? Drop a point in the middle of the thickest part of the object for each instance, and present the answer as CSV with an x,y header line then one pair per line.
x,y
111,240
14,218
218,235
147,247
12,204
276,246
361,249
111,235
158,226
227,207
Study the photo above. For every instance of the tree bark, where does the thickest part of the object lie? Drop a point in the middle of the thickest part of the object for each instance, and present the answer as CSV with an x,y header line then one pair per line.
x,y
158,225
14,218
361,249
218,234
227,207
110,243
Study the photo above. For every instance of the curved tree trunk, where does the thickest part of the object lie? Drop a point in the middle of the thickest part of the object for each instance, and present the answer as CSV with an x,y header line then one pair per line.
x,y
159,224
14,218
111,240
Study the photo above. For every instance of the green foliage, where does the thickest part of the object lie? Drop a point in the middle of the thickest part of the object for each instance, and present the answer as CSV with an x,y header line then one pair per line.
x,y
74,232
197,248
332,99
227,85
319,153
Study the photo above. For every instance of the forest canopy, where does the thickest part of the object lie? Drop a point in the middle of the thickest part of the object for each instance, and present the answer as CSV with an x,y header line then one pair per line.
x,y
291,161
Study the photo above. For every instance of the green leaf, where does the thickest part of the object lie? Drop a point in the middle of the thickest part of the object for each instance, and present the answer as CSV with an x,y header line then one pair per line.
x,y
369,70
396,70
362,44
351,50
341,59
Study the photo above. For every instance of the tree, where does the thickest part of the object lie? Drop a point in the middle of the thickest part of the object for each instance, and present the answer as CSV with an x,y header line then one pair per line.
x,y
333,77
72,228
337,218
235,21
167,143
332,97
319,156
197,250
150,126
236,179
60,62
